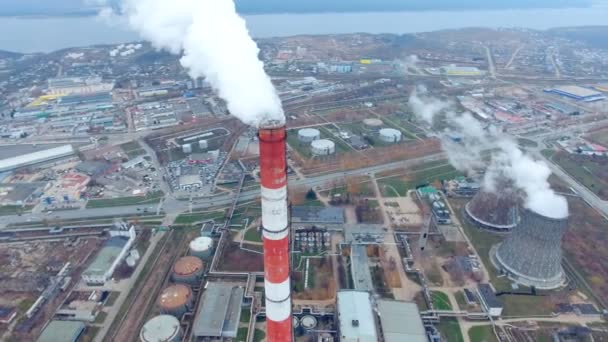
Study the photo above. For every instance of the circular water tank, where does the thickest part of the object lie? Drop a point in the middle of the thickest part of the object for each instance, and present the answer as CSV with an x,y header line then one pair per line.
x,y
187,148
296,322
373,123
390,135
175,300
188,269
323,147
163,328
308,135
201,247
308,322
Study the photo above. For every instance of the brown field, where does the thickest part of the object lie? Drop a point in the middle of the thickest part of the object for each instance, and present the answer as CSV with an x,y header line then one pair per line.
x,y
585,245
323,284
235,259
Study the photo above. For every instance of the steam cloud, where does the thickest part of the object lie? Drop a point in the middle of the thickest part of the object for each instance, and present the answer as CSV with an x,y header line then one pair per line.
x,y
215,43
507,160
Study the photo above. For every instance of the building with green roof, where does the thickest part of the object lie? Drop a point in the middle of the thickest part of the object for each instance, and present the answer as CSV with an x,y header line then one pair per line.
x,y
62,331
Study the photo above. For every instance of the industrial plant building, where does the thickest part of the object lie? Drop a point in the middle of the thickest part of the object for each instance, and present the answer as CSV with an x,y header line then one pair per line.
x,y
489,301
62,331
578,93
37,157
113,252
400,321
317,215
356,317
219,312
532,254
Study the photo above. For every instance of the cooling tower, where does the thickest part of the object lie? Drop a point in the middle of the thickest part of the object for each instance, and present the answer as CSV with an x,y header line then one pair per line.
x,y
532,254
494,211
277,285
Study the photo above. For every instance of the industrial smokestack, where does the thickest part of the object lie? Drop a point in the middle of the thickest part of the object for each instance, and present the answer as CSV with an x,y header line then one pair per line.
x,y
532,254
277,284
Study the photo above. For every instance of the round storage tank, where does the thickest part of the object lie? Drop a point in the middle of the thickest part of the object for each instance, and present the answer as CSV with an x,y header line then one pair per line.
x,y
323,147
296,322
373,123
201,247
188,269
308,322
308,135
175,300
163,328
390,135
187,148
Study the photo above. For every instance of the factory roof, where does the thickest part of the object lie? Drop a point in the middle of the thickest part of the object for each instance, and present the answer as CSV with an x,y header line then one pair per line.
x,y
220,310
306,214
577,91
35,157
104,97
61,331
188,265
488,296
362,277
356,317
106,256
401,321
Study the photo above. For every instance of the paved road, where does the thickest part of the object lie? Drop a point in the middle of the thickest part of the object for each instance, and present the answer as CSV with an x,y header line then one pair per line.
x,y
173,206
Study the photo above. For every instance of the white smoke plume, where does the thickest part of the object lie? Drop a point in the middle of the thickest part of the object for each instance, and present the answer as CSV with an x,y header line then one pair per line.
x,y
215,44
507,160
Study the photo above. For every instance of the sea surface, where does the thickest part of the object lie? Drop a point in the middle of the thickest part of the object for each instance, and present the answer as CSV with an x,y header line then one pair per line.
x,y
45,34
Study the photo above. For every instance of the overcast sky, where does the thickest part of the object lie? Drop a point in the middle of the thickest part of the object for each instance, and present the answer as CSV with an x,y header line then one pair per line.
x,y
24,7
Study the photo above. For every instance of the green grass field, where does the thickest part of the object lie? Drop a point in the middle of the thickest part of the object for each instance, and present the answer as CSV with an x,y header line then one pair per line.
x,y
241,335
149,198
392,186
440,301
253,235
112,297
259,335
462,302
14,209
585,170
245,315
482,333
198,217
450,330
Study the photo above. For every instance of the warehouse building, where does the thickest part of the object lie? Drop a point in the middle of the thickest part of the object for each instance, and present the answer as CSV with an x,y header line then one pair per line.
x,y
401,321
37,157
319,215
578,93
113,252
219,312
356,317
62,331
453,70
489,301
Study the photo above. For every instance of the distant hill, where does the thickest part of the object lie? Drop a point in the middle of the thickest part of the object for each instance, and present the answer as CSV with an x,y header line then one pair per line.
x,y
593,35
71,7
8,54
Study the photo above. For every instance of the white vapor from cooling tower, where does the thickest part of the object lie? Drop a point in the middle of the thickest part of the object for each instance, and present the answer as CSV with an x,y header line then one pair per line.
x,y
215,43
507,160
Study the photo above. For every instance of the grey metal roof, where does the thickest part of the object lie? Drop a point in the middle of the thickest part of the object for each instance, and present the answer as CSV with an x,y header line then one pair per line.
x,y
401,321
488,296
61,331
362,276
327,215
106,256
356,317
220,311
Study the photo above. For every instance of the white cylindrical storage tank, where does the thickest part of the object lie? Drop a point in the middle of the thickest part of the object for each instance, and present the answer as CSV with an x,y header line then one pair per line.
x,y
308,135
203,145
201,247
188,269
162,328
323,147
187,148
175,300
373,123
390,135
308,322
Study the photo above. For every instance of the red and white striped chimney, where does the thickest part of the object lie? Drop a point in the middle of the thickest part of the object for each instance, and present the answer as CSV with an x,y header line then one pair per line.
x,y
273,172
